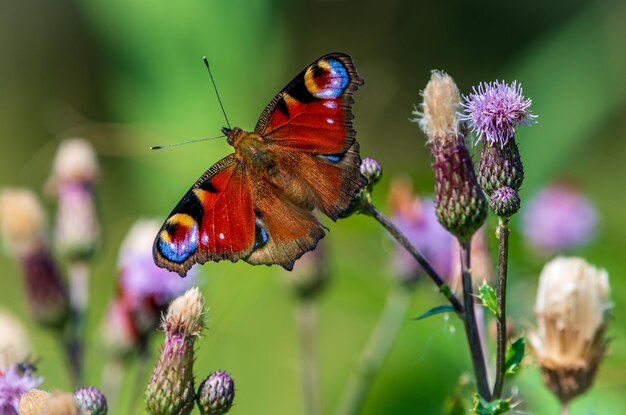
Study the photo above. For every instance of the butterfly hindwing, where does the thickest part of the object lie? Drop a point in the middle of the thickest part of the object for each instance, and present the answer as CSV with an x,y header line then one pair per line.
x,y
213,221
284,231
309,126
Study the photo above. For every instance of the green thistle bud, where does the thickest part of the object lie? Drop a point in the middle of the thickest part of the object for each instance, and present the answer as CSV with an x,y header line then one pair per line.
x,y
216,394
372,170
90,401
460,204
170,390
505,202
500,166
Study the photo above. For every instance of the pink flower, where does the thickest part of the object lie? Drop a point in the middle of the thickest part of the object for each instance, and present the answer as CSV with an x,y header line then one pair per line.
x,y
558,218
13,384
495,109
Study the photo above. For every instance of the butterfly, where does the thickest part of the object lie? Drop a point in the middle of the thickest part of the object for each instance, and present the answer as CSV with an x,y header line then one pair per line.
x,y
257,204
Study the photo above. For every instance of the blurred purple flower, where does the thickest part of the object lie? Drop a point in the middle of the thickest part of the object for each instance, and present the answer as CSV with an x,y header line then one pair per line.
x,y
139,276
13,384
422,228
558,218
495,109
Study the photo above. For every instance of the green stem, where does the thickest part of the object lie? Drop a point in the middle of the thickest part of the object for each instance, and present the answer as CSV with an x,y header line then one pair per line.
x,y
79,289
368,209
503,251
471,327
306,320
375,352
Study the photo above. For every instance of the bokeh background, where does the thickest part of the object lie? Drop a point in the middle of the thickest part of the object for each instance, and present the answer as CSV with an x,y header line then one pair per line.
x,y
128,74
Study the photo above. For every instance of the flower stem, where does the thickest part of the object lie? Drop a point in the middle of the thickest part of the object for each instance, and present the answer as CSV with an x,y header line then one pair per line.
x,y
375,352
369,209
564,410
306,320
79,289
471,327
503,255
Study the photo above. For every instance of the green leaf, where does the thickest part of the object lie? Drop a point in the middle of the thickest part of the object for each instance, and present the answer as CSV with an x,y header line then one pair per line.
x,y
482,407
437,310
514,356
488,297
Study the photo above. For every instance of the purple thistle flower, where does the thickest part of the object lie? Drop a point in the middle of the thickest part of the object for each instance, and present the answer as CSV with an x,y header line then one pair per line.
x,y
13,384
495,109
558,218
139,276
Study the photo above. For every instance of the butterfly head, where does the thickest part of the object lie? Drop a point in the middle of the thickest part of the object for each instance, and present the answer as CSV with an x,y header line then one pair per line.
x,y
232,134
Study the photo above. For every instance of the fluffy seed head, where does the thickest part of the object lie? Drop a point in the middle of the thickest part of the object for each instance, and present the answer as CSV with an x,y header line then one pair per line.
x,y
572,312
75,161
14,344
22,221
185,314
495,109
32,402
438,118
60,403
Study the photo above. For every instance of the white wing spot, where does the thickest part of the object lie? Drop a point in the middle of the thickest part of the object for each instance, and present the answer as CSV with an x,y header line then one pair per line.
x,y
221,235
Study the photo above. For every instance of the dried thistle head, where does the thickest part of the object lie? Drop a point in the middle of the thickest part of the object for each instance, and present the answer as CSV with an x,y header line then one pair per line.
x,y
572,311
60,403
15,346
32,401
22,222
75,161
170,390
438,117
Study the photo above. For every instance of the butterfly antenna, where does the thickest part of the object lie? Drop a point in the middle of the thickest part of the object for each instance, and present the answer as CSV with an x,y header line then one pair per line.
x,y
185,142
206,62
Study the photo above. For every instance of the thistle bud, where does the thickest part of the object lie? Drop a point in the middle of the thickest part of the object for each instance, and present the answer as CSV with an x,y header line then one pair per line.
x,y
74,173
372,170
494,111
459,201
170,390
505,202
90,401
23,222
572,313
216,394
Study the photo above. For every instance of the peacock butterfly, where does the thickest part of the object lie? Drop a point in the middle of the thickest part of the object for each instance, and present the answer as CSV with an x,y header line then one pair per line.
x,y
256,204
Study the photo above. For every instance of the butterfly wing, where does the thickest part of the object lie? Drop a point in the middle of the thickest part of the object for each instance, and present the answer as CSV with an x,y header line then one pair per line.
x,y
284,231
214,220
308,125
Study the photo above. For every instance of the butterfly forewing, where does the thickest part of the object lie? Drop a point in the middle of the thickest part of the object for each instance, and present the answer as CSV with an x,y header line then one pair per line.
x,y
212,222
313,112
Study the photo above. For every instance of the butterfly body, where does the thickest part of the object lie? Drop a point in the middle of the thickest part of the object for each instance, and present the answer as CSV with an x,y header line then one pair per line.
x,y
256,204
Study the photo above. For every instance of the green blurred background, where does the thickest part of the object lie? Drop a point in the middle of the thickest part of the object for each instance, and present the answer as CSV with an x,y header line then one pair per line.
x,y
128,74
